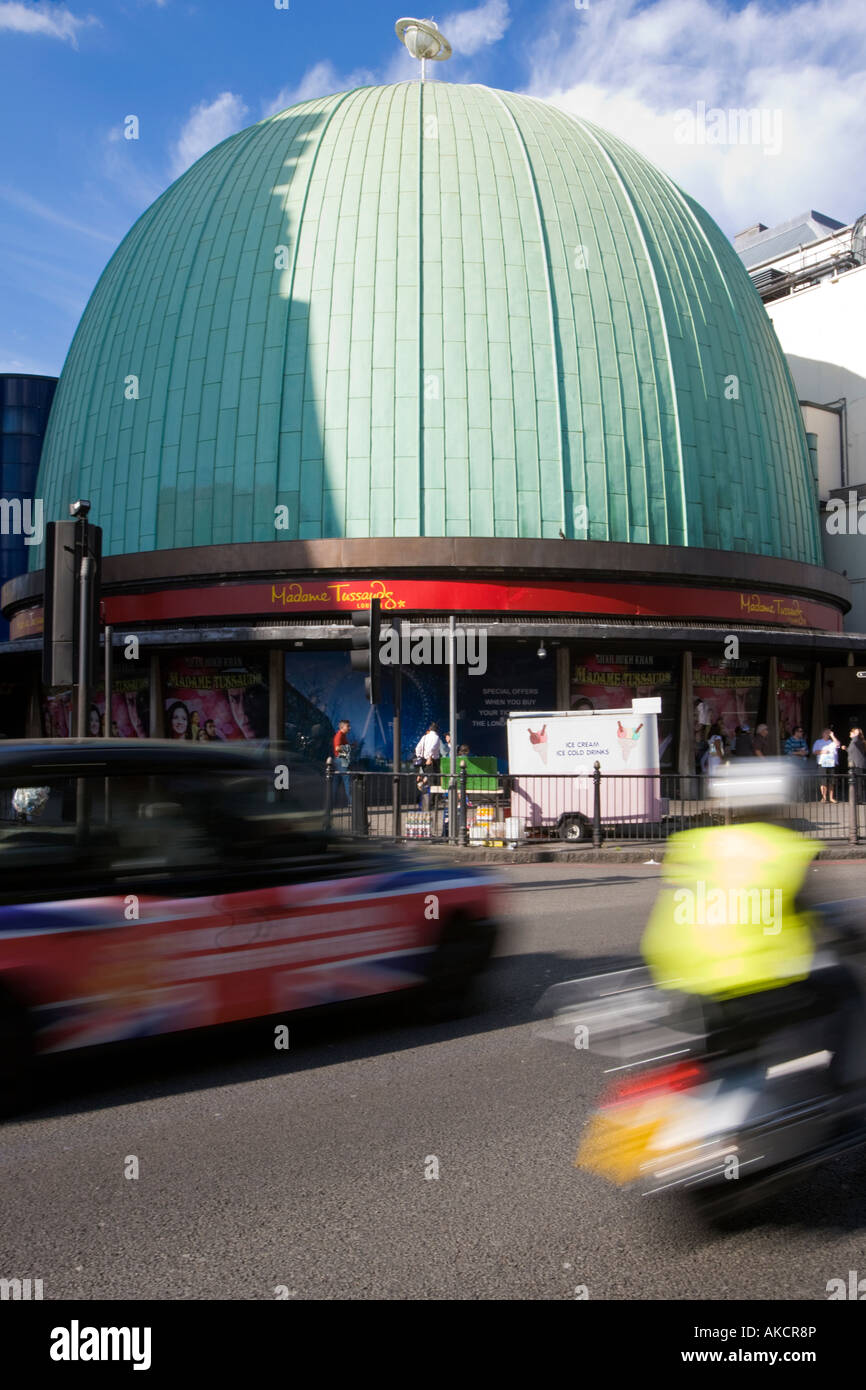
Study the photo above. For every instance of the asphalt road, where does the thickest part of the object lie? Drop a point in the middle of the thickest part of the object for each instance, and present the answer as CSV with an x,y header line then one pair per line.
x,y
306,1169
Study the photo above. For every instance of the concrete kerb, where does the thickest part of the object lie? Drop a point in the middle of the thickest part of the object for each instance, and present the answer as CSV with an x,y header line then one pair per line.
x,y
652,852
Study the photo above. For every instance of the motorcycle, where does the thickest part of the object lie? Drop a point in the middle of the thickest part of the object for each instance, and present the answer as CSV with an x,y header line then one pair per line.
x,y
686,1112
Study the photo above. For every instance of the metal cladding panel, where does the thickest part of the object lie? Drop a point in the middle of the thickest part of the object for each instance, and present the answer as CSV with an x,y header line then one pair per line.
x,y
407,311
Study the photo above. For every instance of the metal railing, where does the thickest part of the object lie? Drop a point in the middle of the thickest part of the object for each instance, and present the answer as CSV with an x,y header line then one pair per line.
x,y
593,808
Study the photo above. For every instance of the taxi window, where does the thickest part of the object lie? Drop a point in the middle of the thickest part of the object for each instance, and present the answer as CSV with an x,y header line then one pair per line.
x,y
96,829
41,844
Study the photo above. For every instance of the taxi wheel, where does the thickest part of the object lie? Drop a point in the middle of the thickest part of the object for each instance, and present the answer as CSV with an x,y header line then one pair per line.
x,y
16,1055
463,951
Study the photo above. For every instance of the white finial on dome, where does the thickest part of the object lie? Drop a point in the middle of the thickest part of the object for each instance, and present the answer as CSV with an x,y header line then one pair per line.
x,y
423,40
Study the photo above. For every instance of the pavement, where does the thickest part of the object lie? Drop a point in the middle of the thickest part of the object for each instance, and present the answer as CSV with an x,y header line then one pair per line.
x,y
651,852
313,1170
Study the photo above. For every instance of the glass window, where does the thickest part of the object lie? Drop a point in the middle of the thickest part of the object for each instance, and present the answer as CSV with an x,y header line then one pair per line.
x,y
611,680
19,419
728,693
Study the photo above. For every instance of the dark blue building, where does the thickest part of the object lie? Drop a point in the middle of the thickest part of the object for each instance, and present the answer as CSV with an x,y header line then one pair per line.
x,y
24,405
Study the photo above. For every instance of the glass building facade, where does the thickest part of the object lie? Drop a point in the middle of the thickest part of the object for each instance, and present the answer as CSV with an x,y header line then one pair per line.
x,y
24,405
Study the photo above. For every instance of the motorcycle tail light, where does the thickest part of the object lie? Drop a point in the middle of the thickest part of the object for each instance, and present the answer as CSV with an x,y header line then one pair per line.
x,y
680,1077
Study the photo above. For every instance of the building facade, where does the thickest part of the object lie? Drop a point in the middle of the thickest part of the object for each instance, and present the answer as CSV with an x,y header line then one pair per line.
x,y
456,349
25,402
811,274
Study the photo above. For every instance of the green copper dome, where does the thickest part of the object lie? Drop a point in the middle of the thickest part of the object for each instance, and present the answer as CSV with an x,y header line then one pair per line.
x,y
433,310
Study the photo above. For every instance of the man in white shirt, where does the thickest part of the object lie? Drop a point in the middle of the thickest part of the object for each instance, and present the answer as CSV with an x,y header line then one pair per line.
x,y
826,749
429,748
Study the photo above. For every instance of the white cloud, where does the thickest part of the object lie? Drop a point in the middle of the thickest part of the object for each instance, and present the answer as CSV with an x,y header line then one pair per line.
x,y
470,30
321,80
23,365
630,66
46,213
208,124
47,21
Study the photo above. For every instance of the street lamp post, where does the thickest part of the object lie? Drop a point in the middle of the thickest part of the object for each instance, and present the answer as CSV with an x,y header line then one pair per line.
x,y
80,510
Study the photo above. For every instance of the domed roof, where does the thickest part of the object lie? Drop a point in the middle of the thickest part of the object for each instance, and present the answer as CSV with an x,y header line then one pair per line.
x,y
429,310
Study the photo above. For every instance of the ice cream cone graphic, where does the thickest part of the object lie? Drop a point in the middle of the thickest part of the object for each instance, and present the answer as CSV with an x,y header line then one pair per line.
x,y
627,738
539,742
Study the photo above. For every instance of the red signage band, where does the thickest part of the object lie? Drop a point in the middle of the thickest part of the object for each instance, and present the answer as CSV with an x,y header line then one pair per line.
x,y
328,594
333,595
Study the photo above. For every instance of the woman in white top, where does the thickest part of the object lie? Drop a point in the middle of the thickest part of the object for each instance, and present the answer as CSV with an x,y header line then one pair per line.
x,y
715,754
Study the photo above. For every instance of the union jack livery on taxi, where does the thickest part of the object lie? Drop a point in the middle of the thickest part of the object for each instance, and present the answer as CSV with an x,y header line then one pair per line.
x,y
149,887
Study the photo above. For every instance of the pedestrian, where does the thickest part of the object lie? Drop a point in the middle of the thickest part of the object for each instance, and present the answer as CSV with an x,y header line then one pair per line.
x,y
701,750
857,762
422,787
826,749
716,731
342,757
703,719
714,756
761,741
429,751
795,745
428,756
744,746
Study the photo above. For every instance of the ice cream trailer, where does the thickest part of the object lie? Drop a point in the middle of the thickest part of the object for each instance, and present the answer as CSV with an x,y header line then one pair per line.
x,y
551,758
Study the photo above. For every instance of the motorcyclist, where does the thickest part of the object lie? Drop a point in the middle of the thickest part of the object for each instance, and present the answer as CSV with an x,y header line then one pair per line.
x,y
732,930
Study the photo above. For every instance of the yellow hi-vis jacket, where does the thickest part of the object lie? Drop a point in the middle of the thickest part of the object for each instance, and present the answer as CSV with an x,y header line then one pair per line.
x,y
727,925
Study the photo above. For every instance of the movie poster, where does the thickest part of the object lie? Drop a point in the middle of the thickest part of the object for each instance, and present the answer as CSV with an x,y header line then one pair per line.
x,y
730,693
794,683
601,682
130,710
215,697
57,712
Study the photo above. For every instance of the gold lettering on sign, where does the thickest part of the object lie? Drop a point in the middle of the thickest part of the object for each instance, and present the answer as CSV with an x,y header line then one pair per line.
x,y
377,589
789,609
294,593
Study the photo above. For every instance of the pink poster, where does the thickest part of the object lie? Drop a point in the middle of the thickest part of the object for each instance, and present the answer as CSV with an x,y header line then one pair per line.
x,y
727,693
793,684
215,697
130,711
57,713
601,682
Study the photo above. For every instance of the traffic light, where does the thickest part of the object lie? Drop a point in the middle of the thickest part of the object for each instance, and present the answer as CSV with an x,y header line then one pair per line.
x,y
365,648
62,604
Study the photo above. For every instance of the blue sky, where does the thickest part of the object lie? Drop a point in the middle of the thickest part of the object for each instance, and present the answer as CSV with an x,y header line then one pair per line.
x,y
193,73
